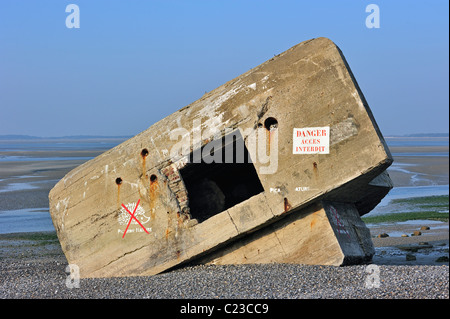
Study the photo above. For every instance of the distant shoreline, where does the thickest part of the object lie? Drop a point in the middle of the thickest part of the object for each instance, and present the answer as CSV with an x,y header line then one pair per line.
x,y
70,137
420,135
16,137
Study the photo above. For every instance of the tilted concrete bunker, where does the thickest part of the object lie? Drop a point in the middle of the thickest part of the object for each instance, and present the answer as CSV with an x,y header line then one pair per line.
x,y
276,165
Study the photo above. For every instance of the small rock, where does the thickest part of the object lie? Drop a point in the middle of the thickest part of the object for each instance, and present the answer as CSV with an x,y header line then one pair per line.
x,y
442,259
383,235
416,233
424,228
411,248
410,257
405,235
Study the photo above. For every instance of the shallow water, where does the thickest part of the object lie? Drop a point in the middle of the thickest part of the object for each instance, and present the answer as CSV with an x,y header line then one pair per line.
x,y
387,207
59,144
12,187
42,159
38,219
436,154
25,220
414,191
417,141
395,256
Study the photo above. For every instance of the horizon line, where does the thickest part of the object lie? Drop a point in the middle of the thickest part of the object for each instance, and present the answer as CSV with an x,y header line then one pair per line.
x,y
35,137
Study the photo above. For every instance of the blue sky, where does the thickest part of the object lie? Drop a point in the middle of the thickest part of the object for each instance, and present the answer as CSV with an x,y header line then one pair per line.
x,y
131,63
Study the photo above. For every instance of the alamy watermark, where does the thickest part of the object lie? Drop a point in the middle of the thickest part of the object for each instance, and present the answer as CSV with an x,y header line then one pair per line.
x,y
373,277
373,19
73,277
261,144
73,19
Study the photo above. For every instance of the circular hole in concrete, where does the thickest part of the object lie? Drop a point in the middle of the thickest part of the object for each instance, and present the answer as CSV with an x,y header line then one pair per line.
x,y
270,123
144,152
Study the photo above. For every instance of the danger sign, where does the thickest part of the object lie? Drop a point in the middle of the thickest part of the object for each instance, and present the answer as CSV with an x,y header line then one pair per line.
x,y
311,140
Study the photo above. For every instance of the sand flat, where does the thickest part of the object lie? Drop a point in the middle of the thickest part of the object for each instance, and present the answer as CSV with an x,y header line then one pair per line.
x,y
421,168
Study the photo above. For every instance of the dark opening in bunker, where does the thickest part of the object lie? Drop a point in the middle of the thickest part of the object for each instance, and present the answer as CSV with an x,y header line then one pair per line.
x,y
219,175
270,123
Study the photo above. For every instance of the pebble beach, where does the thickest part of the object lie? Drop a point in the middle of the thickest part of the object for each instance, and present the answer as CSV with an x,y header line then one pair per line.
x,y
33,266
47,279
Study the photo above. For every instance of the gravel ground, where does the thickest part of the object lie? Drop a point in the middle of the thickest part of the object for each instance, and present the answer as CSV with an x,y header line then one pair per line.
x,y
33,266
46,278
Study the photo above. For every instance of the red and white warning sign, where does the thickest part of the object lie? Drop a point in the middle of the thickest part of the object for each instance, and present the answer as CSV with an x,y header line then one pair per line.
x,y
311,140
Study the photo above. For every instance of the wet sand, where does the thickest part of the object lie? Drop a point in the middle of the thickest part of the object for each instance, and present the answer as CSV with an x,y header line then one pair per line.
x,y
401,247
419,169
414,166
26,184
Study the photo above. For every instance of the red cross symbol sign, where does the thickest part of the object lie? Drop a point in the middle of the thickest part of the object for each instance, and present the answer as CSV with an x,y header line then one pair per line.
x,y
131,218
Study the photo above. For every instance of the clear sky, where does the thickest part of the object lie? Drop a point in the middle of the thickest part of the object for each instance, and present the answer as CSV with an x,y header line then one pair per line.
x,y
131,63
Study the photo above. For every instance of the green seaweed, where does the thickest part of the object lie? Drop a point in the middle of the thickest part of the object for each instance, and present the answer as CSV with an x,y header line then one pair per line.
x,y
427,208
401,217
426,203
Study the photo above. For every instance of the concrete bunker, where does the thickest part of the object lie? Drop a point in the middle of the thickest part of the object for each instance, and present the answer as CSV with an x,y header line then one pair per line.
x,y
315,219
